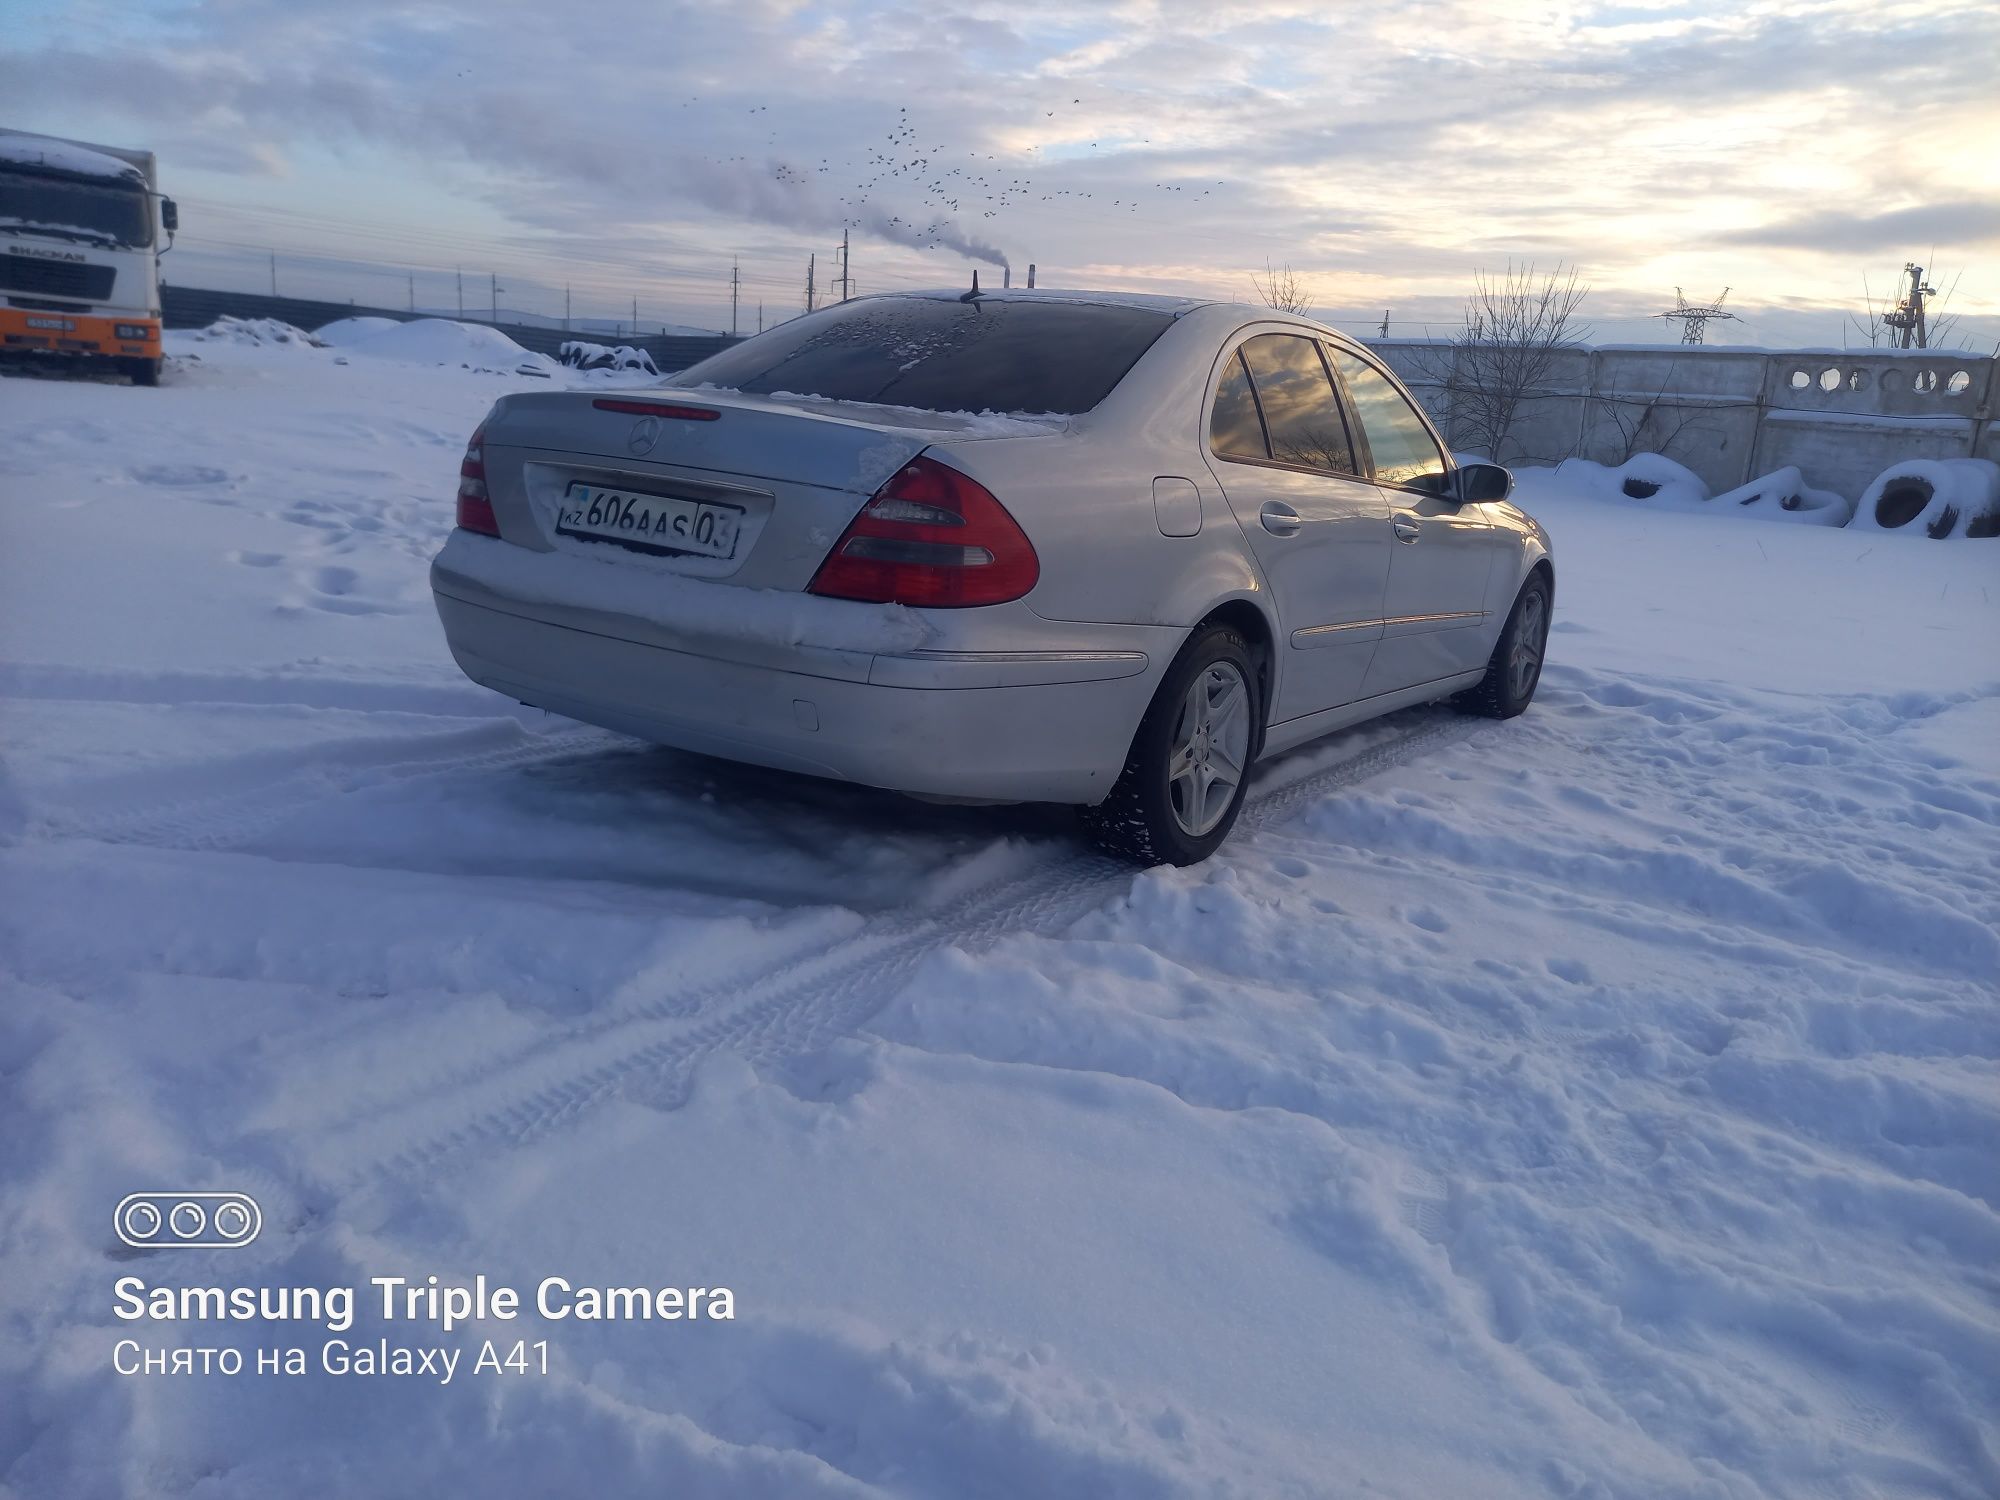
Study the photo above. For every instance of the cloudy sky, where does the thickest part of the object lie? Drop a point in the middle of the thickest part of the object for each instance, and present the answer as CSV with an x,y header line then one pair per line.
x,y
634,148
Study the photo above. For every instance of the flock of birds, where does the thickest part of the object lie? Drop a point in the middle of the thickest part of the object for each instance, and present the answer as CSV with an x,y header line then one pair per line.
x,y
921,189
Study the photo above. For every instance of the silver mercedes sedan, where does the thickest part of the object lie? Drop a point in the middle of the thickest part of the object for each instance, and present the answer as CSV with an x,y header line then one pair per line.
x,y
1016,546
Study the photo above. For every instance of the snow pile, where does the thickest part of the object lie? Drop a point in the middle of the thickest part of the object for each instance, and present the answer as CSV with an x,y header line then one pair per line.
x,y
1784,495
1938,498
580,354
345,333
1657,480
438,341
63,156
1661,484
686,606
252,333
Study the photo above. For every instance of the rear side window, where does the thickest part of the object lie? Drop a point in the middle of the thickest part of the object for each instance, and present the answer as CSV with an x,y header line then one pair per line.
x,y
1301,413
1404,450
941,354
1236,431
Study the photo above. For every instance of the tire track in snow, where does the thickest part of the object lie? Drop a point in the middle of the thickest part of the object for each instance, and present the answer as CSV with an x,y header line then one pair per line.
x,y
793,1007
221,805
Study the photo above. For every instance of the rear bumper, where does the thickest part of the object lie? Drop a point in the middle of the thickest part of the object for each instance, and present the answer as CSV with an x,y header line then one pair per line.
x,y
1034,725
25,330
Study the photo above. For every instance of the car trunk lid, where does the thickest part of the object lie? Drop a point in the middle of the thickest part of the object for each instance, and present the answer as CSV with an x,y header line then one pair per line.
x,y
751,490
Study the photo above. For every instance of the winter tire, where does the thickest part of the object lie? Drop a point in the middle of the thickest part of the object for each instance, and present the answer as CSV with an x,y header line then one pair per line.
x,y
1515,668
1184,780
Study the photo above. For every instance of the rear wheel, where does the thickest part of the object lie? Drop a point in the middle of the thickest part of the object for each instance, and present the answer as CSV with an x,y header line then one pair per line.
x,y
1183,781
144,371
1515,668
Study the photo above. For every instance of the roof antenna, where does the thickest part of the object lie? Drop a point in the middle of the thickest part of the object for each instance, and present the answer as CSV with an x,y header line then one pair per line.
x,y
974,294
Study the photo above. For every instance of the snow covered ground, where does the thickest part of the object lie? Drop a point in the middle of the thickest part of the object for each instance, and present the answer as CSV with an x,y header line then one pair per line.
x,y
1598,1104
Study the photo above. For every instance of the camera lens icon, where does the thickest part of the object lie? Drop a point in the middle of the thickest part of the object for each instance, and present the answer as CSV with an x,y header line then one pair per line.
x,y
187,1221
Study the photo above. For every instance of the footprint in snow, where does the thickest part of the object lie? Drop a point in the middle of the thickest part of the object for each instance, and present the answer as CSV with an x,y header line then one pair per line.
x,y
1429,918
1570,970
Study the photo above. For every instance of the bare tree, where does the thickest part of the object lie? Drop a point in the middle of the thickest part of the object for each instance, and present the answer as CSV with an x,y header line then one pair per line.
x,y
1648,424
1518,324
1282,289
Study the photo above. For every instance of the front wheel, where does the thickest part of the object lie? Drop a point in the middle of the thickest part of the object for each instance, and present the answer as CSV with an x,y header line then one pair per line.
x,y
1515,668
1184,780
144,371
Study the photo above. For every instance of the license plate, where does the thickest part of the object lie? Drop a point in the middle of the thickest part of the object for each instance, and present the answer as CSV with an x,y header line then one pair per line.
x,y
660,524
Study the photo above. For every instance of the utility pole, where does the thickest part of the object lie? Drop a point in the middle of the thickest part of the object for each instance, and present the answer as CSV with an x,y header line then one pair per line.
x,y
735,285
565,307
495,279
760,317
1385,322
413,291
635,317
846,285
809,283
461,292
274,273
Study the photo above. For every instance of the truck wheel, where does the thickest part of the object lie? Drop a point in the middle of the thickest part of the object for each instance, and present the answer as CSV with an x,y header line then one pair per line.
x,y
1183,782
144,371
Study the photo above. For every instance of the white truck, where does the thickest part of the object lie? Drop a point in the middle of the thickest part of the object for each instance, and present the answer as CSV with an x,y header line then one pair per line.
x,y
79,264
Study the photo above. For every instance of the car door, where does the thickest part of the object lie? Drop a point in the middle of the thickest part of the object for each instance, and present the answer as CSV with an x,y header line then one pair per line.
x,y
1434,621
1280,448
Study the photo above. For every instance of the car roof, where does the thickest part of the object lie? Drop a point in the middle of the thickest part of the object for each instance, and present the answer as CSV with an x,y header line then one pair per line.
x,y
1172,306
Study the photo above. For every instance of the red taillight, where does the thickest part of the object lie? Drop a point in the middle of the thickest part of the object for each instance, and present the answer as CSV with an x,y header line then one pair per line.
x,y
658,409
475,510
932,538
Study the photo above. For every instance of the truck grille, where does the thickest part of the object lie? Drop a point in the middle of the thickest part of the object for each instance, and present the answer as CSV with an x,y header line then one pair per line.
x,y
58,278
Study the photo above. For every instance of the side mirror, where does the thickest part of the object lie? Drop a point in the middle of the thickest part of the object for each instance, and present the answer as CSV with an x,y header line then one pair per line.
x,y
1484,482
170,215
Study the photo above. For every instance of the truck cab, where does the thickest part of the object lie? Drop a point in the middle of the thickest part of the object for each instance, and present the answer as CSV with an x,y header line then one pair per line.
x,y
80,230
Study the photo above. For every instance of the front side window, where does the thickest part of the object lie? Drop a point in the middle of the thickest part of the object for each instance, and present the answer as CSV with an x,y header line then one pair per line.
x,y
1405,452
1301,413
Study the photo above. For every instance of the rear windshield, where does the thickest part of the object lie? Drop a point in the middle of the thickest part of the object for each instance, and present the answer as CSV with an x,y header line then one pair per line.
x,y
941,355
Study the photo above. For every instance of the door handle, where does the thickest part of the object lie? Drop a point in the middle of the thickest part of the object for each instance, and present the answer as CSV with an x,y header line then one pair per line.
x,y
1406,530
1279,519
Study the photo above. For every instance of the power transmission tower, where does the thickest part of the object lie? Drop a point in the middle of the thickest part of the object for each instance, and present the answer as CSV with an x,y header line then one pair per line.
x,y
494,278
846,285
1908,327
811,291
735,285
760,317
1694,317
1385,322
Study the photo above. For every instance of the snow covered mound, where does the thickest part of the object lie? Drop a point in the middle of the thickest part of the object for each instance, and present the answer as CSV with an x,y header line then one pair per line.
x,y
1784,495
1651,477
344,333
1662,484
437,341
1937,498
252,333
580,354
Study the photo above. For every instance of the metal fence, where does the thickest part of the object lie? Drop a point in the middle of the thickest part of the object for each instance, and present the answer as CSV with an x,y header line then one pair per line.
x,y
197,307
